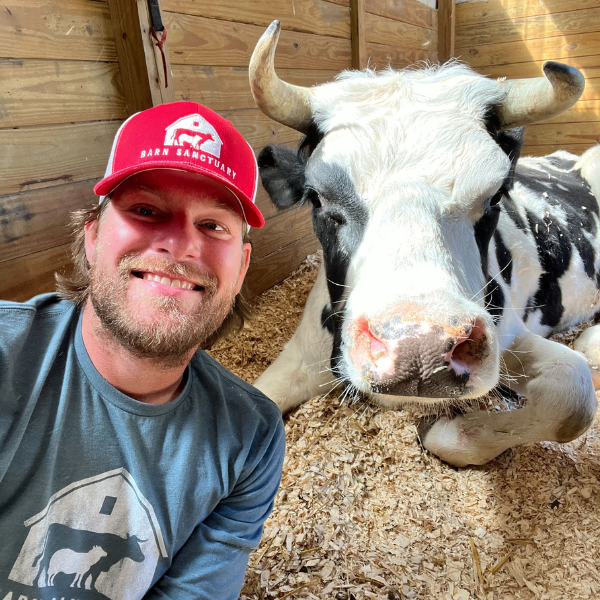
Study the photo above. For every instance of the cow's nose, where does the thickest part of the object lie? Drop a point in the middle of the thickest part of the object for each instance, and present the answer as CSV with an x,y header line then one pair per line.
x,y
418,358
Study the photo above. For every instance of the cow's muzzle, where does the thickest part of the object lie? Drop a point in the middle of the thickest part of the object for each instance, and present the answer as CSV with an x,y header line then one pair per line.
x,y
419,359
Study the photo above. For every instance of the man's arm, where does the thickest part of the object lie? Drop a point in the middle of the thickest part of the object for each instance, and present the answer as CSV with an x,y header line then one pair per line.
x,y
211,565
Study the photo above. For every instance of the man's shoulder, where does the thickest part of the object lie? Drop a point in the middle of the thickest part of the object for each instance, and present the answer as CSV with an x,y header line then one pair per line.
x,y
237,387
42,306
41,313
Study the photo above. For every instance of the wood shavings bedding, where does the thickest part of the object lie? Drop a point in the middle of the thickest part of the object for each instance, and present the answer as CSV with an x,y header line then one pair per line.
x,y
363,512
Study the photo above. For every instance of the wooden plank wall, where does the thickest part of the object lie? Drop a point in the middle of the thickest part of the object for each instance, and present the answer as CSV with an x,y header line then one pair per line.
x,y
400,32
60,106
503,38
210,44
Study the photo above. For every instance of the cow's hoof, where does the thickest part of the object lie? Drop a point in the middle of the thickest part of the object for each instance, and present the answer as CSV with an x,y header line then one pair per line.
x,y
448,439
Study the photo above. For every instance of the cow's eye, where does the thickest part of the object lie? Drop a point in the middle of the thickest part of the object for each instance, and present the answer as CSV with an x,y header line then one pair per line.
x,y
314,198
496,197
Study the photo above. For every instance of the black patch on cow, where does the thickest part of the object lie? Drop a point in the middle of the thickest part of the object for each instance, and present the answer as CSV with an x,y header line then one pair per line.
x,y
554,252
340,218
339,221
508,206
567,192
326,318
311,140
510,142
484,229
504,257
282,169
494,300
564,164
577,202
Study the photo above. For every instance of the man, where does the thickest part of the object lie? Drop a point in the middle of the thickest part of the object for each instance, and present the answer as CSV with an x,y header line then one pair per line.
x,y
131,463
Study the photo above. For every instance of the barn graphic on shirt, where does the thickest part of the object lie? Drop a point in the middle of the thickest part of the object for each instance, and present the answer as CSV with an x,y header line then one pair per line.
x,y
98,537
194,131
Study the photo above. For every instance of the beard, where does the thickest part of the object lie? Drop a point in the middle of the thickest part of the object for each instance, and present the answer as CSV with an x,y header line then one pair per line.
x,y
171,333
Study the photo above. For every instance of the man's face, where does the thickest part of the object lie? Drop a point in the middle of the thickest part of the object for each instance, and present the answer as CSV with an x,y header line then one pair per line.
x,y
167,260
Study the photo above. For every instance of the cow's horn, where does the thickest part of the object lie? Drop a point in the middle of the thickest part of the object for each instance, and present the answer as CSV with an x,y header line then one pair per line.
x,y
532,100
289,104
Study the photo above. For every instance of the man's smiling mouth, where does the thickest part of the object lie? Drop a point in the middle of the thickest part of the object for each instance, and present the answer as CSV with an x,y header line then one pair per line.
x,y
176,283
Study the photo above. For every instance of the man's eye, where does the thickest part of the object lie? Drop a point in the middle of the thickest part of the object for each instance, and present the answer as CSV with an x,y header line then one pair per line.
x,y
213,226
144,211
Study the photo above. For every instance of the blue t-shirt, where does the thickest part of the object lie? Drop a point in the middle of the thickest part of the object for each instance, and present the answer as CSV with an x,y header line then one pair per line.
x,y
102,496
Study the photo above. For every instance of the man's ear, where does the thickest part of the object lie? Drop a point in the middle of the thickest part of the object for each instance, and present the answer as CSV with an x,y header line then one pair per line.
x,y
247,251
91,238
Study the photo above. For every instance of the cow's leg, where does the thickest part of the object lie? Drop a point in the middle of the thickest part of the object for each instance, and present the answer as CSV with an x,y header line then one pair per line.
x,y
560,406
588,343
302,370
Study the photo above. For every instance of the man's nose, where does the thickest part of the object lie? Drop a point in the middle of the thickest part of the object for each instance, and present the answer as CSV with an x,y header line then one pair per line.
x,y
180,238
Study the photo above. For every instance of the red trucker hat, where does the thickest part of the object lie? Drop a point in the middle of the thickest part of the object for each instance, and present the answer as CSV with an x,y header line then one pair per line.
x,y
189,137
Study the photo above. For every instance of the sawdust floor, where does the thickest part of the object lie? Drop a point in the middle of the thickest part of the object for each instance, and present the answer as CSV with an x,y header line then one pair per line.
x,y
364,512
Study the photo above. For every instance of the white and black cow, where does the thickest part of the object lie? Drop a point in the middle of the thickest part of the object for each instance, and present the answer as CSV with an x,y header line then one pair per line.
x,y
447,259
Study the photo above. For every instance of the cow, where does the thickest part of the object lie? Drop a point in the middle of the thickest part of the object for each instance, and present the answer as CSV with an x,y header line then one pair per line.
x,y
80,541
190,137
74,563
448,259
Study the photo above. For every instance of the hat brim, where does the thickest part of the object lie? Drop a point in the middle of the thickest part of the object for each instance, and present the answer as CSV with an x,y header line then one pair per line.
x,y
252,214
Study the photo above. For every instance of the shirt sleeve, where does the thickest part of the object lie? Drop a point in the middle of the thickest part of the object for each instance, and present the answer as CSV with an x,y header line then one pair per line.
x,y
212,563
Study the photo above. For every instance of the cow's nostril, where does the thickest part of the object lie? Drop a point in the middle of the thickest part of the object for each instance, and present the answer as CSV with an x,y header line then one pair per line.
x,y
369,348
470,349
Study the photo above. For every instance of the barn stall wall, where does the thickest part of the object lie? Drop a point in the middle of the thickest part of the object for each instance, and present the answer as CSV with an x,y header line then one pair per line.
x,y
503,38
60,106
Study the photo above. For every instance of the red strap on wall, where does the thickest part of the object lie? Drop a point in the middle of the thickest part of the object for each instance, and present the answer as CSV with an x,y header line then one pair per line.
x,y
159,43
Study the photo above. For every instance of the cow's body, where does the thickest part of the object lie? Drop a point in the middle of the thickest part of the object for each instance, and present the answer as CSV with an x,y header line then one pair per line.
x,y
191,137
74,563
444,255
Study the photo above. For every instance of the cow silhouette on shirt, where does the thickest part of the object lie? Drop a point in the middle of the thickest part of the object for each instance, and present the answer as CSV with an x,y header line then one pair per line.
x,y
61,537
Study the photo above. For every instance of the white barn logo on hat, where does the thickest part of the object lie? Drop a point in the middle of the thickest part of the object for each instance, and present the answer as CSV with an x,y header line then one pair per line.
x,y
193,131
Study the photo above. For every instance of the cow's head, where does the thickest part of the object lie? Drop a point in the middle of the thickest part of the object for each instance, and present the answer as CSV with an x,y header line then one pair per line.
x,y
134,552
405,171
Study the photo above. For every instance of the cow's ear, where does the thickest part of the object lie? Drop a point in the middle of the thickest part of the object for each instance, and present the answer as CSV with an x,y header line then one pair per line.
x,y
282,175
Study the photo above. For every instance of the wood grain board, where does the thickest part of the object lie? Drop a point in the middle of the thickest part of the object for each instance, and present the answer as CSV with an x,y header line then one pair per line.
x,y
446,29
382,55
57,29
44,92
200,41
531,150
38,220
562,134
395,33
562,24
27,276
273,268
407,11
281,230
310,16
553,48
584,111
224,88
588,65
469,13
37,157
